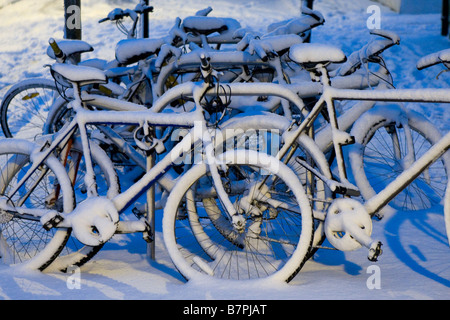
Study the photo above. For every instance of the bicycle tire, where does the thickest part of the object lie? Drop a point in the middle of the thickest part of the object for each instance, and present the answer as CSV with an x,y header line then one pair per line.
x,y
383,150
206,253
24,241
57,116
24,107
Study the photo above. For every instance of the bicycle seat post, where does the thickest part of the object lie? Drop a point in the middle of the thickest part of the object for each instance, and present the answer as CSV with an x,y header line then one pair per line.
x,y
76,77
314,58
206,69
77,102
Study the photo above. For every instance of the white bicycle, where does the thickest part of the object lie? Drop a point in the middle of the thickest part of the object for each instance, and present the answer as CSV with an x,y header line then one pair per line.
x,y
253,205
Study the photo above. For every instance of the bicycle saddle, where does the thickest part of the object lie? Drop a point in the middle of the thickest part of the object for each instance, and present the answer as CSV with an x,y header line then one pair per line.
x,y
209,25
70,47
129,51
217,29
81,75
312,54
295,26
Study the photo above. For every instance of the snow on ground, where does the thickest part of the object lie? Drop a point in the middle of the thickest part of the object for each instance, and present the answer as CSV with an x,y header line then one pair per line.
x,y
416,260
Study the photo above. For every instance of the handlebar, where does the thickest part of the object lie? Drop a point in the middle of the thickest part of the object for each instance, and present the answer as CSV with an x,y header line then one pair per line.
x,y
371,52
118,14
141,9
387,35
432,59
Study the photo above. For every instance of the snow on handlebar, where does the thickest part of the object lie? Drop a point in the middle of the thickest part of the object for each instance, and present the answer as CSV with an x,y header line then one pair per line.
x,y
118,13
434,58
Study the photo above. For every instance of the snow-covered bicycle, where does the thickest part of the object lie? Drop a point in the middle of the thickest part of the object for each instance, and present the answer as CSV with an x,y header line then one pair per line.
x,y
276,125
238,181
347,223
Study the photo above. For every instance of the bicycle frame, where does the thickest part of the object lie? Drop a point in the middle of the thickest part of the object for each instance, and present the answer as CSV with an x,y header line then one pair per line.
x,y
84,117
138,115
341,138
135,113
290,92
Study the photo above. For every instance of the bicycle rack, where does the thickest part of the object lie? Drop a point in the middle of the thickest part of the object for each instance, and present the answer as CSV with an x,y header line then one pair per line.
x,y
151,208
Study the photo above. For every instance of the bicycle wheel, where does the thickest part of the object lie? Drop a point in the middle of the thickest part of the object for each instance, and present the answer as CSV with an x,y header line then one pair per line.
x,y
279,227
24,108
57,116
264,133
23,240
387,143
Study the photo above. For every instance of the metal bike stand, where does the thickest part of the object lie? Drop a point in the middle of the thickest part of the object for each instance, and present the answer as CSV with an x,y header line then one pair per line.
x,y
151,246
72,22
145,22
151,207
151,254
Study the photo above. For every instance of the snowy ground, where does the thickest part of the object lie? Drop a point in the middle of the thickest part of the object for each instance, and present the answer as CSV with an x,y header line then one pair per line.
x,y
416,260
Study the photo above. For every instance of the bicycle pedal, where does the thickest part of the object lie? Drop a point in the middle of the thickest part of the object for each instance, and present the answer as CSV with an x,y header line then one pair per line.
x,y
347,191
351,140
148,234
139,210
50,221
149,238
375,251
344,138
